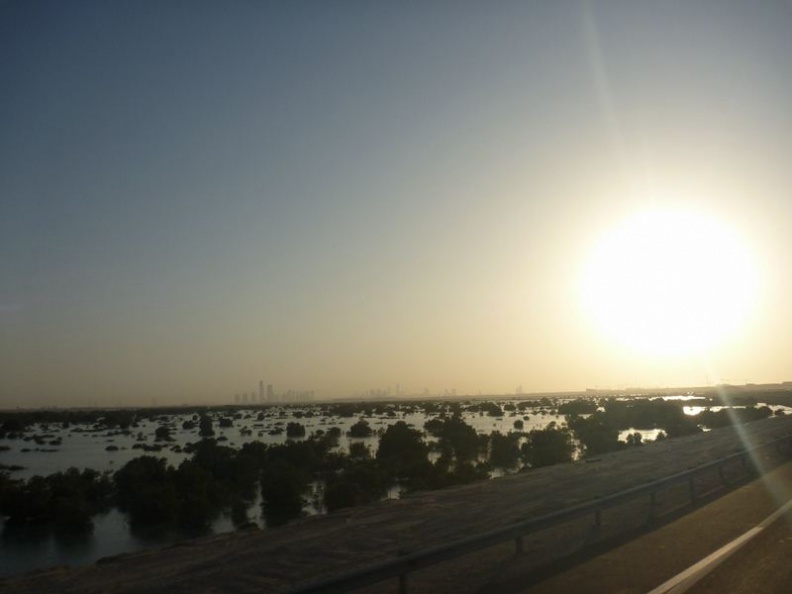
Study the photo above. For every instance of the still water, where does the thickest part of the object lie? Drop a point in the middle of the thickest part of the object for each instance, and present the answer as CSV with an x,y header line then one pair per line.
x,y
83,447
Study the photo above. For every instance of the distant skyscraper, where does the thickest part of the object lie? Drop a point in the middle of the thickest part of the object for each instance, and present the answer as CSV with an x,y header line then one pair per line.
x,y
261,391
270,392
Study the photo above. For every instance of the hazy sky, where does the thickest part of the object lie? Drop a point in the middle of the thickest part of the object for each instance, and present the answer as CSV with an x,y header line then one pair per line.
x,y
339,196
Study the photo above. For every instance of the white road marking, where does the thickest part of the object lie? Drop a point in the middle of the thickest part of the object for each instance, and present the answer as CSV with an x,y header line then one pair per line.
x,y
684,580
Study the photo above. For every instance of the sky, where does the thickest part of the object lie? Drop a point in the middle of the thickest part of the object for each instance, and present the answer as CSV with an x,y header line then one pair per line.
x,y
352,196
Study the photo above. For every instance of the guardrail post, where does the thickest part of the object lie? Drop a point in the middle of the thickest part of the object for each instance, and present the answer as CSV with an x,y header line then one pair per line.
x,y
403,583
722,476
652,505
597,519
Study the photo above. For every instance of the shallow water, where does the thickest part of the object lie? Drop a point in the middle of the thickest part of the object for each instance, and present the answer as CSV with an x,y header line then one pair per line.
x,y
20,552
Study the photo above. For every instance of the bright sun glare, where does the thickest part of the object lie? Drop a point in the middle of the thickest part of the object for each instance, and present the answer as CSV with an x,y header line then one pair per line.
x,y
669,283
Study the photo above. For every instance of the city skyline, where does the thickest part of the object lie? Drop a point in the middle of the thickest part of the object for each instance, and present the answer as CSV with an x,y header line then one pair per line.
x,y
333,198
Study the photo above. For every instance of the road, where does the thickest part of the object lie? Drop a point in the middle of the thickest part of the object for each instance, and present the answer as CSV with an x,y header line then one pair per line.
x,y
762,565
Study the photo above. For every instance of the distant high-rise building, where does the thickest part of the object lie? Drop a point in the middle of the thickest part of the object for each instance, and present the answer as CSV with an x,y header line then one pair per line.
x,y
261,391
270,392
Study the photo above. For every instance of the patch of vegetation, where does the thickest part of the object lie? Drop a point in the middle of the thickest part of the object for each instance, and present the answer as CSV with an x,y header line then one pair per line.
x,y
546,447
730,416
504,450
64,502
217,479
403,454
294,430
360,429
579,406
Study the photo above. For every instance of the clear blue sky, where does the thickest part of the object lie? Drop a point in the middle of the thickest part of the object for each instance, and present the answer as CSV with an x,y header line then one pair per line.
x,y
340,196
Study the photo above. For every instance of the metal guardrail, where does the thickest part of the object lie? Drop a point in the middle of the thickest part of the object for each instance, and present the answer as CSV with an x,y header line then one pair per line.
x,y
401,566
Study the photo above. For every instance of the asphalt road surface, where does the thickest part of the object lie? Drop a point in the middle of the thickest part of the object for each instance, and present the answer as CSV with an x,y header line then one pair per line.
x,y
763,565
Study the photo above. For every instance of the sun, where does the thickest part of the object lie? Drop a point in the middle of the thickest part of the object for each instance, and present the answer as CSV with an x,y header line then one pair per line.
x,y
669,283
